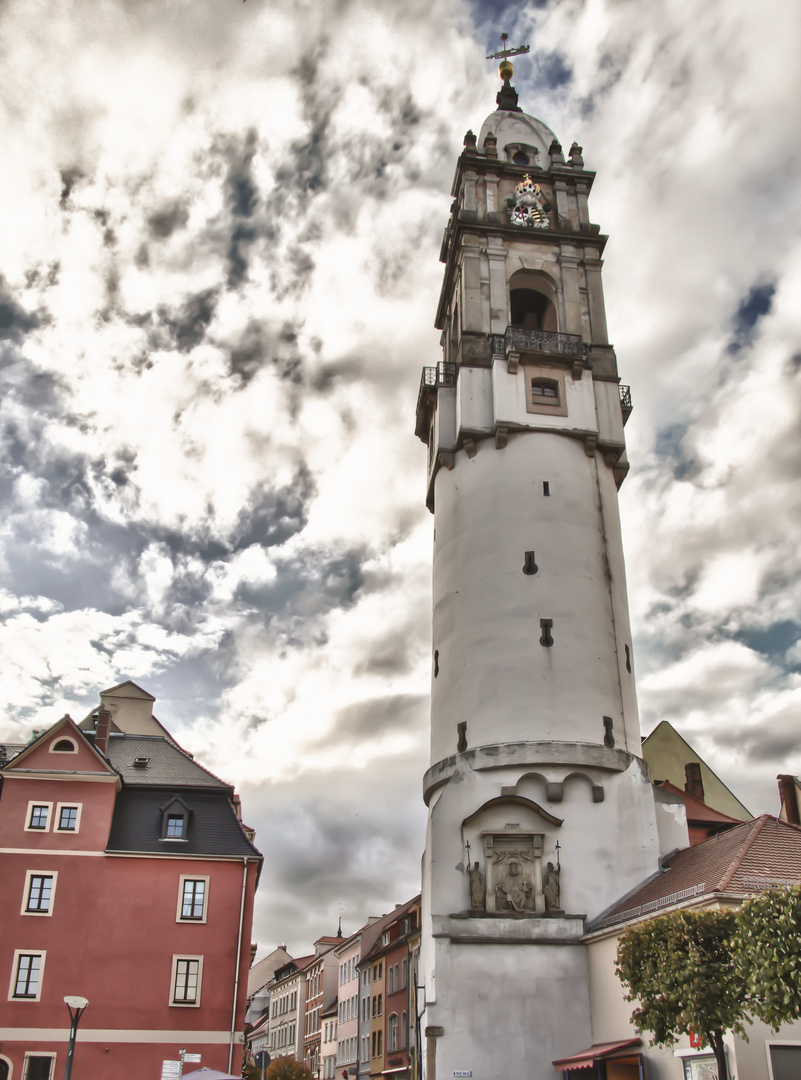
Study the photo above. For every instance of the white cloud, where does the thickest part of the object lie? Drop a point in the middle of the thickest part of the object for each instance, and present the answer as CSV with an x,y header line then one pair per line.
x,y
211,483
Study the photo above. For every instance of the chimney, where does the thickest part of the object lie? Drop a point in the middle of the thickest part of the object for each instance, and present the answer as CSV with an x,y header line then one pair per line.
x,y
693,784
101,729
789,803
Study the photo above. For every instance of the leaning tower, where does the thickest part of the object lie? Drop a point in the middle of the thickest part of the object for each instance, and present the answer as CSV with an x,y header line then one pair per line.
x,y
540,810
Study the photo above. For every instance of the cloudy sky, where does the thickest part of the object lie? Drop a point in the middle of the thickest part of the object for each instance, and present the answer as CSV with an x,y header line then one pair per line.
x,y
219,235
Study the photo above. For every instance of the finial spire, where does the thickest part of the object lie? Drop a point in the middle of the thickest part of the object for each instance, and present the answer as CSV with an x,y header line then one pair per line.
x,y
339,928
507,95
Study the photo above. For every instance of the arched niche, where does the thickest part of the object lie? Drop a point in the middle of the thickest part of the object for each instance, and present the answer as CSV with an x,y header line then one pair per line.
x,y
596,790
506,841
532,301
528,781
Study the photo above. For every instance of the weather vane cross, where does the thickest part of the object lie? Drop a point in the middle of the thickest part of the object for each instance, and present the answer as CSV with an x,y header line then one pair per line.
x,y
508,52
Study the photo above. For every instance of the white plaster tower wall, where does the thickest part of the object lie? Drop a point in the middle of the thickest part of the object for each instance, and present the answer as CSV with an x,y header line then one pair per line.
x,y
535,740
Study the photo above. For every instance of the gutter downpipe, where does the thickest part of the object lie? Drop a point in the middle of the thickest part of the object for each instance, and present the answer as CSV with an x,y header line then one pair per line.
x,y
238,962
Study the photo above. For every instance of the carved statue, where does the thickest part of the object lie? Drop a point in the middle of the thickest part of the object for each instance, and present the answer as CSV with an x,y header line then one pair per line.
x,y
514,890
550,887
476,888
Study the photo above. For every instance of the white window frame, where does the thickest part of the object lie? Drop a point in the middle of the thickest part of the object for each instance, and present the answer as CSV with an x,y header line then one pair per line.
x,y
185,1004
57,819
29,814
778,1042
38,1054
15,970
192,877
7,1061
26,894
62,738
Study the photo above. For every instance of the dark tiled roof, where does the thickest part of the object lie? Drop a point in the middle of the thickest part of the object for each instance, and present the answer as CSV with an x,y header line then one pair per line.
x,y
168,764
213,825
745,859
10,750
386,921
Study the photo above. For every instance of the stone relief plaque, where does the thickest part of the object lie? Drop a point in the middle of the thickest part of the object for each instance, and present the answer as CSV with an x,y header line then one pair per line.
x,y
513,866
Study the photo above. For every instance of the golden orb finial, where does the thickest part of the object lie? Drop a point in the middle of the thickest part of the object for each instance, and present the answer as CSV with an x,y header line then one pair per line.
x,y
505,69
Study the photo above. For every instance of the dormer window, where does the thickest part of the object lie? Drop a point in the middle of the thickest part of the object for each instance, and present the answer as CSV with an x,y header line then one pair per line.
x,y
141,762
175,820
64,746
176,826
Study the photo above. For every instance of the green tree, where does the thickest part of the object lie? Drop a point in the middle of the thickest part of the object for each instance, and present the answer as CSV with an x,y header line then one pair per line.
x,y
768,954
681,970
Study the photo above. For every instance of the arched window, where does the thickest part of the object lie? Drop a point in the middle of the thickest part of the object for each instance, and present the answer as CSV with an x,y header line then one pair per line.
x,y
404,1031
64,746
392,1034
520,158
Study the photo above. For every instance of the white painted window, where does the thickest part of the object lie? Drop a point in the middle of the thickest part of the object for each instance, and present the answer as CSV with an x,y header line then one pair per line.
x,y
187,976
40,887
26,975
64,745
193,893
38,819
39,1066
68,817
785,1060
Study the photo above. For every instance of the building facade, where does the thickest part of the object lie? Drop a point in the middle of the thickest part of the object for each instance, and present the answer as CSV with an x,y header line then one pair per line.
x,y
288,1008
128,879
348,957
540,808
321,976
392,964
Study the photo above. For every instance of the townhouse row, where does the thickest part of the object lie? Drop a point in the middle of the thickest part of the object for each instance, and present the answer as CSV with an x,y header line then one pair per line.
x,y
348,1008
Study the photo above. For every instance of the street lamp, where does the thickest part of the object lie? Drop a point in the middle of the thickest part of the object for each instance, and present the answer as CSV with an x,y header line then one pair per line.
x,y
76,1006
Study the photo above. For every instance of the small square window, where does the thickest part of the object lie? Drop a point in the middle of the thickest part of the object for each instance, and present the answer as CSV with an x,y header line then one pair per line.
x,y
545,390
39,894
175,826
68,819
40,815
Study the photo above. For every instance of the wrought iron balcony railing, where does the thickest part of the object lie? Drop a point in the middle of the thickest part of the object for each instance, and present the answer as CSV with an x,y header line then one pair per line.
x,y
625,402
516,339
443,374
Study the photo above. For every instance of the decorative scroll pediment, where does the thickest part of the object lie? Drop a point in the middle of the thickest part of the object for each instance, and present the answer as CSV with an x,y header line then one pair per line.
x,y
513,800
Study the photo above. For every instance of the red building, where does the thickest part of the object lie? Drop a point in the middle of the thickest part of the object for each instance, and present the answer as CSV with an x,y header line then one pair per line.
x,y
321,976
393,962
127,879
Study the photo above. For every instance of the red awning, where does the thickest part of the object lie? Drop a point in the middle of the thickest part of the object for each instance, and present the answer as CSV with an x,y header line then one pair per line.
x,y
597,1052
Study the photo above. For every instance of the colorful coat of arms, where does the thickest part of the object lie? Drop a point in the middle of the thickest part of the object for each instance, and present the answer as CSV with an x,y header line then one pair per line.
x,y
528,206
